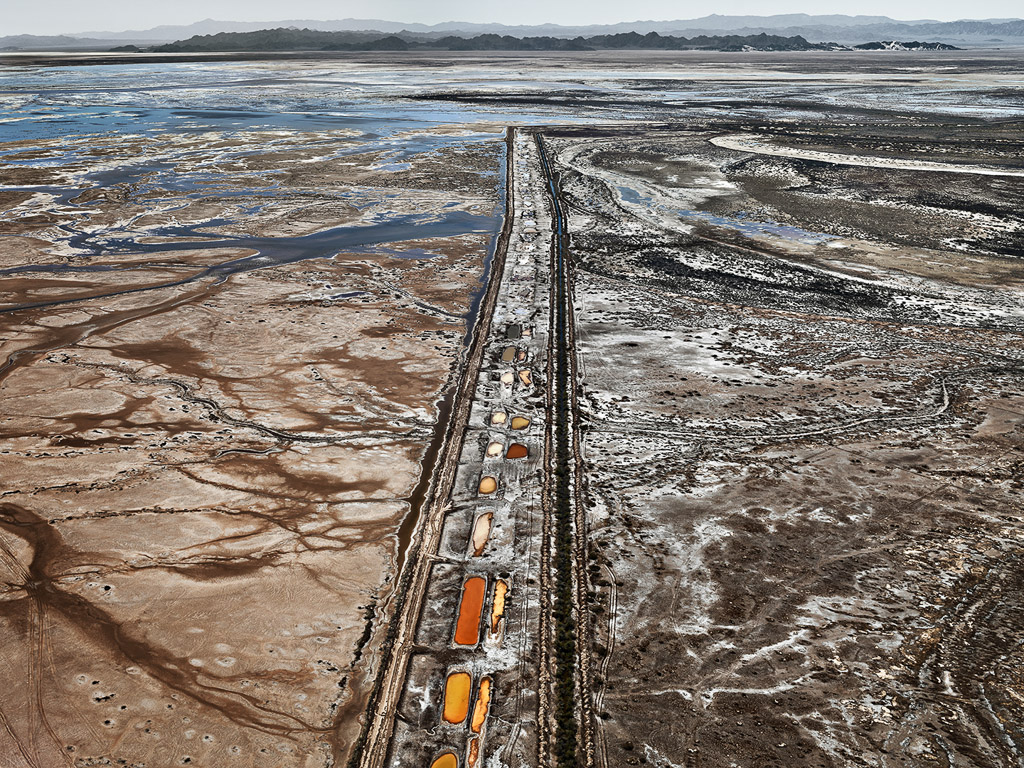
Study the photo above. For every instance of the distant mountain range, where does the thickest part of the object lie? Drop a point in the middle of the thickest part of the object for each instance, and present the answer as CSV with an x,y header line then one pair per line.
x,y
286,39
714,23
813,28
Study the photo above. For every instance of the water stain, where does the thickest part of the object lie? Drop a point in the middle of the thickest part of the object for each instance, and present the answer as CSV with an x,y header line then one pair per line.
x,y
46,595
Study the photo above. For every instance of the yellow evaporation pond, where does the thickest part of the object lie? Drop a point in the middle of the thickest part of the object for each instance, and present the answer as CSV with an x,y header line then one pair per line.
x,y
473,753
488,484
447,760
481,532
507,377
499,417
494,449
456,697
483,700
524,376
520,422
498,610
508,355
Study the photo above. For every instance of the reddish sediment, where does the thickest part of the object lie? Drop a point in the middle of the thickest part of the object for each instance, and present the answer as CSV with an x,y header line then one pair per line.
x,y
517,451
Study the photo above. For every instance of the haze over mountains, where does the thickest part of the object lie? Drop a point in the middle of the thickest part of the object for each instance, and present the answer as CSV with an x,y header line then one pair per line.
x,y
815,28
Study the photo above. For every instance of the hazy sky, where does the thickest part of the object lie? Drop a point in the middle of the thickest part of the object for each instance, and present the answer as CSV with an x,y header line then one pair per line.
x,y
55,16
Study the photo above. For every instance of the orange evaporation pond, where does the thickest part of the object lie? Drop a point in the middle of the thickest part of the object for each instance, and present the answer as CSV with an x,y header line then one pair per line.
x,y
483,701
447,760
494,449
481,532
507,377
521,357
517,451
499,417
456,697
467,629
498,610
473,753
508,355
524,376
488,484
520,422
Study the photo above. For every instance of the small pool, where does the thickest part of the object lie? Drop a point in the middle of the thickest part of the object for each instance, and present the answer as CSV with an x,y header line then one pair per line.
x,y
456,697
517,451
467,628
483,701
481,533
447,760
498,608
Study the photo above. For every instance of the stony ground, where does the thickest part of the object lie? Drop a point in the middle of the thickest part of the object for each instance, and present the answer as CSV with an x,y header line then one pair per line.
x,y
802,384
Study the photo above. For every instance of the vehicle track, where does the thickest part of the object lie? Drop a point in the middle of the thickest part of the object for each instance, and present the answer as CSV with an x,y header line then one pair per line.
x,y
613,612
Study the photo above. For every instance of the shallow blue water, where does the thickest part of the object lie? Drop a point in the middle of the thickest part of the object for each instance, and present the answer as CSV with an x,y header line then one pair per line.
x,y
334,115
739,223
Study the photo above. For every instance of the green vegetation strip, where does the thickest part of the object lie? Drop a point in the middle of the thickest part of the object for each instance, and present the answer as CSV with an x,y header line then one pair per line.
x,y
565,651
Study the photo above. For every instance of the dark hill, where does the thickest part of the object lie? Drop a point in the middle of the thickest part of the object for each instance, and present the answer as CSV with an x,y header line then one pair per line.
x,y
289,39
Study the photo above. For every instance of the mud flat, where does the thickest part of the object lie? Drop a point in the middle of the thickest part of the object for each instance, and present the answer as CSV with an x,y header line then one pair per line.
x,y
221,358
236,301
803,419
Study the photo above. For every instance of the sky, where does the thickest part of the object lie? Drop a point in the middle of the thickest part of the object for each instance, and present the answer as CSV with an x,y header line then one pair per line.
x,y
46,17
